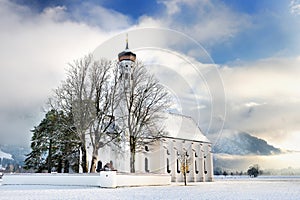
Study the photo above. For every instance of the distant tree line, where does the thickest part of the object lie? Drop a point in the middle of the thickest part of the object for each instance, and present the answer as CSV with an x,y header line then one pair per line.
x,y
224,172
253,171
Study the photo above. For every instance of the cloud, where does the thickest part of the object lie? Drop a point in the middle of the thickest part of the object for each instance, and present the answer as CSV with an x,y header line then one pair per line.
x,y
295,7
262,98
95,15
208,22
35,49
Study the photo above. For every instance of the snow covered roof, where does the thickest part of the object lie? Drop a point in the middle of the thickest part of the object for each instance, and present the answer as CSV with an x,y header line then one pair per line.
x,y
183,127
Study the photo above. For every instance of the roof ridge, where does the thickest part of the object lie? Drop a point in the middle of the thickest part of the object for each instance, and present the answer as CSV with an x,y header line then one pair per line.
x,y
179,114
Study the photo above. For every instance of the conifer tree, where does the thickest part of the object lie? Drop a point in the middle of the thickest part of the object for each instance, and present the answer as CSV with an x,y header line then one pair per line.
x,y
54,144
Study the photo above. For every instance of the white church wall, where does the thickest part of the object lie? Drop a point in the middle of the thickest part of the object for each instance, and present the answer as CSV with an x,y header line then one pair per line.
x,y
209,164
191,152
156,157
173,160
159,154
200,163
178,146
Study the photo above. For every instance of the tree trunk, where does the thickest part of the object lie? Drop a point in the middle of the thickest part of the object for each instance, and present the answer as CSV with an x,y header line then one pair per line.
x,y
84,163
184,176
66,166
132,154
132,162
60,165
94,161
49,156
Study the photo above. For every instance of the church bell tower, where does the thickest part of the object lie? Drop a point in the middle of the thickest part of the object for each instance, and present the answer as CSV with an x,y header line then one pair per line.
x,y
126,62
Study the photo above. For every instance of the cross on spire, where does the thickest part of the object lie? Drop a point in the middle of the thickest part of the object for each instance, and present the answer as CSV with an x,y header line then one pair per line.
x,y
126,41
127,54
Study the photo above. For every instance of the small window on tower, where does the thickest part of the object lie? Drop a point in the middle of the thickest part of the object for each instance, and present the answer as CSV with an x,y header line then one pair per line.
x,y
126,76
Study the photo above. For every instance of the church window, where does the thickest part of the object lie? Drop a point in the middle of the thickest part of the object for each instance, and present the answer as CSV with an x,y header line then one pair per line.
x,y
178,167
186,153
126,76
168,166
196,167
205,171
146,148
196,155
168,152
146,165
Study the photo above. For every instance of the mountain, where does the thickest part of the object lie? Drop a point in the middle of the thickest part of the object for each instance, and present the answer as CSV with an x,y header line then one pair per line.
x,y
4,155
13,154
241,143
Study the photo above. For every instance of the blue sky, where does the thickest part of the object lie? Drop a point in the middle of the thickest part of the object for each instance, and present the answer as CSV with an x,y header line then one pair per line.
x,y
268,26
254,43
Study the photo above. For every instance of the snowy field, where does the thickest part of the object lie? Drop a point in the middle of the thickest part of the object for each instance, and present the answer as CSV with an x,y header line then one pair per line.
x,y
229,188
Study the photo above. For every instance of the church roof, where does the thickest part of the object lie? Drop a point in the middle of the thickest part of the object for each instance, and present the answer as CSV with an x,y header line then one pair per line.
x,y
127,54
183,127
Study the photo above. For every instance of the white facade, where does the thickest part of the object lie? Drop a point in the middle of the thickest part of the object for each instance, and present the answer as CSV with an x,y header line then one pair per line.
x,y
163,157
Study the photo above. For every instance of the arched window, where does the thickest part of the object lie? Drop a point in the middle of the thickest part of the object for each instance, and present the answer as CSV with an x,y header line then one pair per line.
x,y
168,152
186,153
196,167
178,167
168,166
205,171
146,165
126,75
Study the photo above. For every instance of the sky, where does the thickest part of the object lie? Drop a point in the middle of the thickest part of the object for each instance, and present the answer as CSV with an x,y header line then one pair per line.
x,y
240,59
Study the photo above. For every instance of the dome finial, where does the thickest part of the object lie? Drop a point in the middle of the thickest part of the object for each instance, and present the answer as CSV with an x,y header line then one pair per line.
x,y
126,41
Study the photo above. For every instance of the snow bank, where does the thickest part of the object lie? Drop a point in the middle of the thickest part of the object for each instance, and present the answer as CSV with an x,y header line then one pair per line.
x,y
109,179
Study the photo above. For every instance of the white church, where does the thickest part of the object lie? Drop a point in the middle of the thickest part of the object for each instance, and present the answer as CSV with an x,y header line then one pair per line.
x,y
183,139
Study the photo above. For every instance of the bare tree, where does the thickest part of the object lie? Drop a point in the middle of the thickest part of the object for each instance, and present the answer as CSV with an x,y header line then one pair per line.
x,y
144,100
74,96
89,93
103,130
185,164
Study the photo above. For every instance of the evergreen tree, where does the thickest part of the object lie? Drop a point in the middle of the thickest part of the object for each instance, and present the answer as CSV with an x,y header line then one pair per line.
x,y
54,144
253,171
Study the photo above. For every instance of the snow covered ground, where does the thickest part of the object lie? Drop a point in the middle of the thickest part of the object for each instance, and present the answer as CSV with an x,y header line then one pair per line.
x,y
222,188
